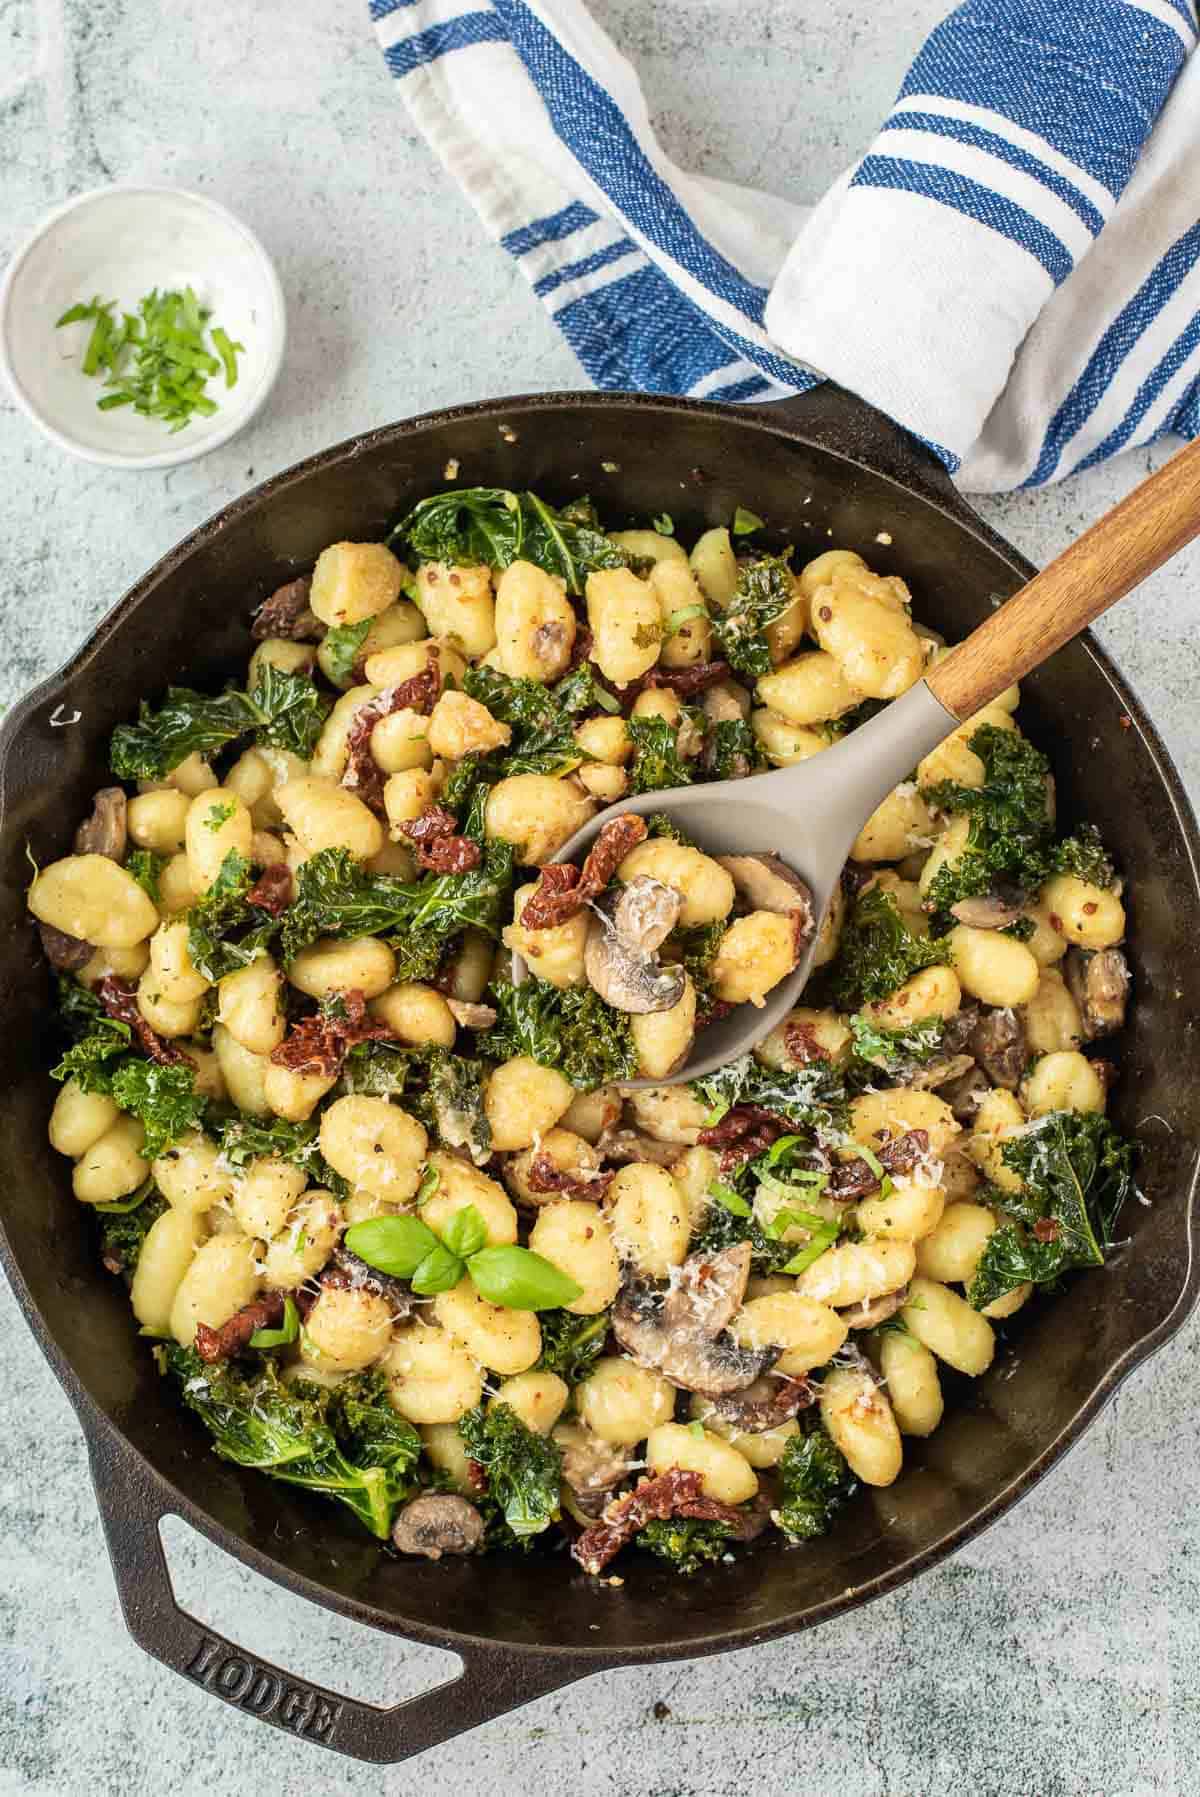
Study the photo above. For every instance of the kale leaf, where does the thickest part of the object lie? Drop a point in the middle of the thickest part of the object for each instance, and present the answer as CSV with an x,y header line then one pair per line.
x,y
492,525
812,1097
571,1029
765,588
696,949
335,897
285,711
244,1139
733,749
657,762
543,735
99,1041
1084,855
571,1344
340,649
815,1482
580,693
123,1232
720,1228
451,1105
524,1470
380,1069
146,867
102,1059
164,1099
897,1052
1011,834
1077,1172
348,1443
225,932
879,952
686,1543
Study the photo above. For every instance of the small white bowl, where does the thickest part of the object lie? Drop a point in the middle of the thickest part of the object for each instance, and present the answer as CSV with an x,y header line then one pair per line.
x,y
118,243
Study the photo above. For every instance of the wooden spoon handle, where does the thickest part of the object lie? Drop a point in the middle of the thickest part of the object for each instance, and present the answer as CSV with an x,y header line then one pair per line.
x,y
1148,527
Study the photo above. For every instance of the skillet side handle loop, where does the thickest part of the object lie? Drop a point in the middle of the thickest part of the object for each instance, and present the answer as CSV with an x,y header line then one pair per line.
x,y
489,1685
1149,526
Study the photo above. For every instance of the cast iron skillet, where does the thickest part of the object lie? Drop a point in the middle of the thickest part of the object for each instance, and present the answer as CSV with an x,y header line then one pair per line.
x,y
831,473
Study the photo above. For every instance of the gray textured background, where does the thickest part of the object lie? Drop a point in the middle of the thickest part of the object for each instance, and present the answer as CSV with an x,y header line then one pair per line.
x,y
1058,1654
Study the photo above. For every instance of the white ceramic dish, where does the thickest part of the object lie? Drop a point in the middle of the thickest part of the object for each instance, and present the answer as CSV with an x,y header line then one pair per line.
x,y
118,243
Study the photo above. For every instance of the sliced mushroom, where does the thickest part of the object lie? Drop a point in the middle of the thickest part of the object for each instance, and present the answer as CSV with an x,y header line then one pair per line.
x,y
438,1524
620,956
726,703
956,1036
993,910
998,1044
966,1093
590,1466
768,884
646,912
67,954
870,1313
471,1017
767,1404
940,1072
1098,980
679,1333
104,832
620,1146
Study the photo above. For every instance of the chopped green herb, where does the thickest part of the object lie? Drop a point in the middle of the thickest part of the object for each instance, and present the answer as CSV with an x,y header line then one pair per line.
x,y
340,649
745,523
218,815
156,361
665,525
146,868
286,1333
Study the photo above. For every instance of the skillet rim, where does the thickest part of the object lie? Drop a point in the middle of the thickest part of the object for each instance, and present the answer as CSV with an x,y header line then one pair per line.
x,y
913,473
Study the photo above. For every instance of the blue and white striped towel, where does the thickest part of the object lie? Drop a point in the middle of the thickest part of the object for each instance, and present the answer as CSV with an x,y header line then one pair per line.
x,y
1012,270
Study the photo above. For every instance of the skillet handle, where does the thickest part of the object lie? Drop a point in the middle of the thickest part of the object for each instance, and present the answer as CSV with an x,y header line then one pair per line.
x,y
491,1683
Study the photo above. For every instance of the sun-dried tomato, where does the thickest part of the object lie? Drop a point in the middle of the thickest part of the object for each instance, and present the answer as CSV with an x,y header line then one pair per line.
x,y
673,1493
562,890
272,891
363,776
120,1001
440,848
232,1336
544,1176
319,1044
1047,1229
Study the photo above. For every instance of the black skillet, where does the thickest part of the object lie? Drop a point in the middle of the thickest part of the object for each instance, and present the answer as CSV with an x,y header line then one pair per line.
x,y
825,471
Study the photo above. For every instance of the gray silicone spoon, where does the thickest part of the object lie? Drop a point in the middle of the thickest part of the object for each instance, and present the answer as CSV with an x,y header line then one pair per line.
x,y
810,814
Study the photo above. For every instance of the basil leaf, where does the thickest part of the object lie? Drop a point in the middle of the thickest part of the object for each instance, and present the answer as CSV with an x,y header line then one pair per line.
x,y
395,1245
287,1332
439,1270
518,1279
466,1232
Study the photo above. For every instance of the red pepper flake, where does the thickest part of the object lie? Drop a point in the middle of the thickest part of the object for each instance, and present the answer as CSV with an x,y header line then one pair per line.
x,y
119,999
1125,721
440,848
673,1493
272,891
825,614
363,776
319,1044
563,890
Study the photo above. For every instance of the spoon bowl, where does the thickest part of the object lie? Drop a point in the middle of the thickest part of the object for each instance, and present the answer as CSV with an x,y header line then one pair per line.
x,y
808,815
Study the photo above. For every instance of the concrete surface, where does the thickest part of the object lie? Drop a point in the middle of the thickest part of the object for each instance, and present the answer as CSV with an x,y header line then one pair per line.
x,y
1056,1656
